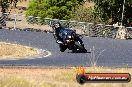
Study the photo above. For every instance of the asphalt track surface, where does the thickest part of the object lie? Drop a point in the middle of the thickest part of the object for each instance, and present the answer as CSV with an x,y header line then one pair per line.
x,y
117,53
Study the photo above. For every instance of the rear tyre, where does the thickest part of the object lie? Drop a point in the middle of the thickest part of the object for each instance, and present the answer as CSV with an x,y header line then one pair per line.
x,y
81,47
74,50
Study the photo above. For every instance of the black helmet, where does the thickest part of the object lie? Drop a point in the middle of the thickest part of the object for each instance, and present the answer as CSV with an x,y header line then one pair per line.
x,y
57,25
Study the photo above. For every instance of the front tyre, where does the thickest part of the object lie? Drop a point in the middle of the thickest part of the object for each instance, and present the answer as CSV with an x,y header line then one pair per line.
x,y
62,47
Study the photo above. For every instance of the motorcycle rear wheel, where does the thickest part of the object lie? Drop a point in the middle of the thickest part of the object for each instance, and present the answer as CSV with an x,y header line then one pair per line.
x,y
80,47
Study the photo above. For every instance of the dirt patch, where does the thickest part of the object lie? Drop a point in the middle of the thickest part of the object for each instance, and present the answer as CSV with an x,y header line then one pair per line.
x,y
15,51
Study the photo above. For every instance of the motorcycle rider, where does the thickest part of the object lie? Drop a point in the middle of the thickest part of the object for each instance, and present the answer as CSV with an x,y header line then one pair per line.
x,y
57,27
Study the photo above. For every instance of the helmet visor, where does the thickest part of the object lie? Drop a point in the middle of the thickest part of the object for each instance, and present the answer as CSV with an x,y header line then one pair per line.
x,y
57,25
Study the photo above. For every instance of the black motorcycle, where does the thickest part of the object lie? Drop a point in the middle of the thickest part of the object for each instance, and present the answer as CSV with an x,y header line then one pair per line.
x,y
72,41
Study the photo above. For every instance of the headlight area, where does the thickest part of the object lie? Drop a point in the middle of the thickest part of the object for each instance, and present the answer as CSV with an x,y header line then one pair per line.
x,y
69,36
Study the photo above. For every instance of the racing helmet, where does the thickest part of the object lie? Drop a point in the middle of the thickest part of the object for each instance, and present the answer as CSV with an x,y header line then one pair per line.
x,y
56,25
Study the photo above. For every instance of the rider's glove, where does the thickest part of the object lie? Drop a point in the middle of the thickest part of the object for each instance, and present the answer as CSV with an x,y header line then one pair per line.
x,y
59,42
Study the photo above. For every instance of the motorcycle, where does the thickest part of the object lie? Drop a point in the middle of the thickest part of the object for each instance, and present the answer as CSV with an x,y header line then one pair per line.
x,y
72,41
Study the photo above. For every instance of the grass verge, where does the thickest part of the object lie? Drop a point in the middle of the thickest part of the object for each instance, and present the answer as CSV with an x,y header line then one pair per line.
x,y
54,77
10,51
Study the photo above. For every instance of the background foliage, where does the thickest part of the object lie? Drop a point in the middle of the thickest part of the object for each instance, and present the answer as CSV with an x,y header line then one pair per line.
x,y
59,9
85,14
111,10
104,11
4,4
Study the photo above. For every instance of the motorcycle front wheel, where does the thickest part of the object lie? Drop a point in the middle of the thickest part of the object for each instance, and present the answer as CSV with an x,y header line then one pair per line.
x,y
62,47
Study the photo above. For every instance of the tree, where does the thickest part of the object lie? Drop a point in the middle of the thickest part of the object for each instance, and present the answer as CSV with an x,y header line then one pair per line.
x,y
112,10
85,14
59,9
